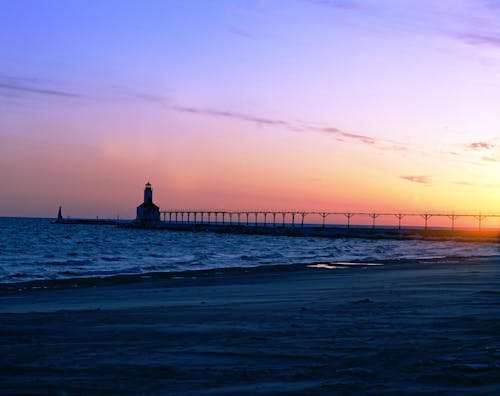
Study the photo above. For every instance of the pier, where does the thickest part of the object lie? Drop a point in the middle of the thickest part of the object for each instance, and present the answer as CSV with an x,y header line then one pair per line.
x,y
293,219
307,223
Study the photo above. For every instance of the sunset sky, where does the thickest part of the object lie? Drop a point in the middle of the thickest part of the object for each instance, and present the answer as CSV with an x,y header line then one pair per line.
x,y
297,104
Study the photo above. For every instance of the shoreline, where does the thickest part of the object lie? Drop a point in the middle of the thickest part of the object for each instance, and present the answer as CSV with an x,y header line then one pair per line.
x,y
117,279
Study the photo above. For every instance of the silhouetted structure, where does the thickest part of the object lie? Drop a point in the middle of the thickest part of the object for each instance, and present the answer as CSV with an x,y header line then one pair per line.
x,y
259,218
148,211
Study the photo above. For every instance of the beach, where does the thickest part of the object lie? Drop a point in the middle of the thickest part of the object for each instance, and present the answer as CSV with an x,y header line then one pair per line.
x,y
431,327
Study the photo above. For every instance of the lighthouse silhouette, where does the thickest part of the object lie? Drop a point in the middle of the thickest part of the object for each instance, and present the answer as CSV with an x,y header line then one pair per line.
x,y
148,212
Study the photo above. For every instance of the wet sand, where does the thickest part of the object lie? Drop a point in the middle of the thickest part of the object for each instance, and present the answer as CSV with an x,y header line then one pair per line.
x,y
407,328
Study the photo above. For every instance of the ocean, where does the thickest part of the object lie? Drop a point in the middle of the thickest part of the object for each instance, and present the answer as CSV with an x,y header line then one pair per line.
x,y
36,249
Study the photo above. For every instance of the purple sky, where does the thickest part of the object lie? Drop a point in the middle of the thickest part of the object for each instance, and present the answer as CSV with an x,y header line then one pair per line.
x,y
297,104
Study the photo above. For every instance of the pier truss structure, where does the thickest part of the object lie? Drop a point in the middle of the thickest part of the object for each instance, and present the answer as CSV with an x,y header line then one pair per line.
x,y
267,218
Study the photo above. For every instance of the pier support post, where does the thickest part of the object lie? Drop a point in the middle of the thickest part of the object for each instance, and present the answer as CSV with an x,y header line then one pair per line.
x,y
452,218
283,214
400,217
274,219
348,215
302,222
480,220
373,216
324,216
426,217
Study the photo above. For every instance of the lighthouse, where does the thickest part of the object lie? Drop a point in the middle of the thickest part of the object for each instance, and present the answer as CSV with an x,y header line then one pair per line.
x,y
148,212
148,193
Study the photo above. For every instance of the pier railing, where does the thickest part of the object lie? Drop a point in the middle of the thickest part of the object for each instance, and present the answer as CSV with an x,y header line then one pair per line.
x,y
267,218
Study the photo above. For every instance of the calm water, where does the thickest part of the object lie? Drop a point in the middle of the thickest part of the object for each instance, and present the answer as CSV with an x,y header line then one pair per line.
x,y
36,249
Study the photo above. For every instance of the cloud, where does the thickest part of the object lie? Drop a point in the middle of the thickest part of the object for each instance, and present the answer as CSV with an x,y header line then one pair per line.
x,y
480,146
491,159
17,87
339,4
148,98
232,115
488,149
483,185
342,135
239,32
27,86
21,87
480,39
492,4
465,183
417,179
352,136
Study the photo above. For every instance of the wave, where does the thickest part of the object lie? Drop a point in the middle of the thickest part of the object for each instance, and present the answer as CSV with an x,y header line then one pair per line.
x,y
59,252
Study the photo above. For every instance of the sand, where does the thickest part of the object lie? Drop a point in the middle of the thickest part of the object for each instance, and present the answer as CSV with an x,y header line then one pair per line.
x,y
401,328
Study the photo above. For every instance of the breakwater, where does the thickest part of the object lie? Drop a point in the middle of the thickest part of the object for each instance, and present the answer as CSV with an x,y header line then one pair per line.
x,y
302,230
327,232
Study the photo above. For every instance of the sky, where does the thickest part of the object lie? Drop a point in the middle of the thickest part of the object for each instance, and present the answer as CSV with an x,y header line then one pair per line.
x,y
383,105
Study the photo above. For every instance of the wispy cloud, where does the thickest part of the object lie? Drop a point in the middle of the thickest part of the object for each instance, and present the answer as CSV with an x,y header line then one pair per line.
x,y
10,86
362,138
489,150
233,115
304,127
18,88
480,146
480,39
422,179
492,4
148,98
296,126
482,185
465,183
339,4
491,158
32,88
240,32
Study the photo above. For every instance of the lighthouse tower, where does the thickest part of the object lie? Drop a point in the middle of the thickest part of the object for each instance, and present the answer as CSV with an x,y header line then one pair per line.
x,y
148,193
148,212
